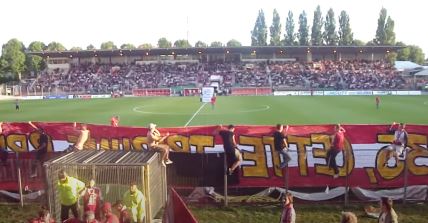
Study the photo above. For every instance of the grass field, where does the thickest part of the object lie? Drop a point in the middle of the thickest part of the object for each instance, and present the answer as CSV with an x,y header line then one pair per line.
x,y
239,213
306,213
256,110
251,110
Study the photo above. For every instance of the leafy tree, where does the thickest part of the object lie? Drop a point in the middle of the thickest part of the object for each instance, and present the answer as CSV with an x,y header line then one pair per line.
x,y
56,46
109,45
13,57
303,32
391,57
385,34
346,37
182,43
275,29
216,44
316,34
145,46
416,54
410,52
35,63
389,31
380,37
357,42
233,43
201,44
127,46
76,48
164,43
290,36
259,33
330,35
90,47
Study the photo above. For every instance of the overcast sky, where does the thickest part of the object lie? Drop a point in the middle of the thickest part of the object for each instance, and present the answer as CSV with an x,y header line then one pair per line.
x,y
84,22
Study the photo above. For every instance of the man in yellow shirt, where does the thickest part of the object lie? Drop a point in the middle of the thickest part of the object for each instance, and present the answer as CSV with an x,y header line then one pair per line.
x,y
134,200
69,189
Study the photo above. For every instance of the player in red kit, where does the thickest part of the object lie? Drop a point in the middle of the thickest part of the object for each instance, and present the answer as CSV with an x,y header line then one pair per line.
x,y
114,121
377,102
213,100
92,199
337,146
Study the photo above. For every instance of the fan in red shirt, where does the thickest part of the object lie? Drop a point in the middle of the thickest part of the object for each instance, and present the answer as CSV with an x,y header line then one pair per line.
x,y
44,217
92,199
114,121
108,215
124,216
338,144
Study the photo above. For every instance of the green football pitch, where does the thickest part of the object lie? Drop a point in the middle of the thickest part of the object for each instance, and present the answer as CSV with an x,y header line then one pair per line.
x,y
248,110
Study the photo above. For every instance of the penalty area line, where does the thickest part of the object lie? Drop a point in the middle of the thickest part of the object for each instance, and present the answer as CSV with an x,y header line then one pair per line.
x,y
194,115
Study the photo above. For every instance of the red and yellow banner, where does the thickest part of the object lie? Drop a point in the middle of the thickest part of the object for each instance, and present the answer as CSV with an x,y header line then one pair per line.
x,y
365,151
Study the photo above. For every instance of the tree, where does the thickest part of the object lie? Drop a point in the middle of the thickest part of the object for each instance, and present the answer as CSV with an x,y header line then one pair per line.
x,y
403,54
357,42
90,47
13,57
76,48
109,45
330,35
201,44
303,32
127,46
416,54
216,44
145,46
233,43
55,46
182,43
259,33
316,34
389,31
289,36
275,29
385,34
164,43
346,37
35,63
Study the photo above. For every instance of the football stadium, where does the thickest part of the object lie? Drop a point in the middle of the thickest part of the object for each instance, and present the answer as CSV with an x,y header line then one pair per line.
x,y
294,127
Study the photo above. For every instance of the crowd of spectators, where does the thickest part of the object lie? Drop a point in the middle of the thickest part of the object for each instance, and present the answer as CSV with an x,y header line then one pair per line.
x,y
326,74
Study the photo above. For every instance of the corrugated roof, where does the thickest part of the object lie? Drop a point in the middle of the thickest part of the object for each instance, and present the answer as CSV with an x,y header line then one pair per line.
x,y
103,157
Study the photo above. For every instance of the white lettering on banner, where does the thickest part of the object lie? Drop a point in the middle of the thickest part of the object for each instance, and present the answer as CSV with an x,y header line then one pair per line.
x,y
383,92
304,93
101,96
32,97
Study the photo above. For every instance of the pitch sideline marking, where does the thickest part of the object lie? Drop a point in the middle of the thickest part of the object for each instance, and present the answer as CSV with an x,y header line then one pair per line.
x,y
194,115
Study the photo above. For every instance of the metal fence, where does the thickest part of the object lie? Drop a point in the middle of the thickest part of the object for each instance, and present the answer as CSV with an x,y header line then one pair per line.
x,y
113,171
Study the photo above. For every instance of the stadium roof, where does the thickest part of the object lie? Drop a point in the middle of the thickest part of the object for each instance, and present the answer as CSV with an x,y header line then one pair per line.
x,y
220,50
406,65
119,157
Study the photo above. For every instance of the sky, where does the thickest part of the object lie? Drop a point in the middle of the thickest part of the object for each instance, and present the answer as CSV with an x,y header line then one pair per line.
x,y
83,22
